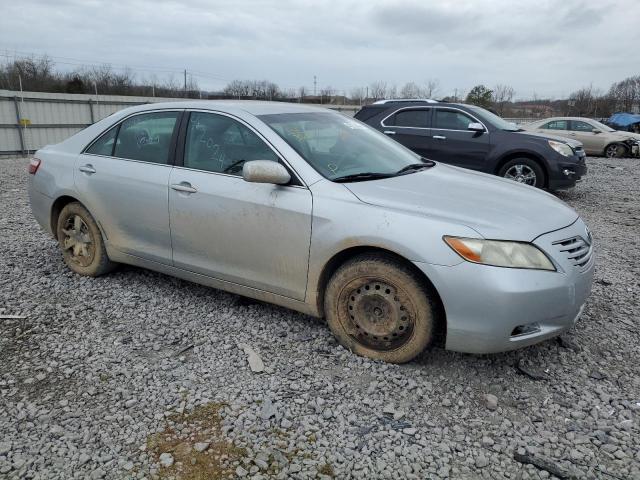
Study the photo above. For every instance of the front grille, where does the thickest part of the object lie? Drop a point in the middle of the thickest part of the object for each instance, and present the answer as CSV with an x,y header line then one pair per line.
x,y
576,249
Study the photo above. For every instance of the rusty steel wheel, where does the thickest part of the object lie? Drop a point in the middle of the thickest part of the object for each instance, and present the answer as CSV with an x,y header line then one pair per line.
x,y
378,308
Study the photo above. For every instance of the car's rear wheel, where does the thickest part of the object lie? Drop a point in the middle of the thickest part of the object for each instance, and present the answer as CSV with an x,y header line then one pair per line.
x,y
81,241
615,150
523,170
378,308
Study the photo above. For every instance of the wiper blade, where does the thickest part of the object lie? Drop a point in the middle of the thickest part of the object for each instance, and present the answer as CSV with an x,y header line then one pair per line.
x,y
355,177
414,167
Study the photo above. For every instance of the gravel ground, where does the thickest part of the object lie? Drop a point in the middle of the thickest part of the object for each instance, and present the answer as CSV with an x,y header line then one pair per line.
x,y
140,375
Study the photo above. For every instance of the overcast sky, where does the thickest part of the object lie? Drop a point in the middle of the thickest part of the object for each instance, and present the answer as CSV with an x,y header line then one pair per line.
x,y
550,47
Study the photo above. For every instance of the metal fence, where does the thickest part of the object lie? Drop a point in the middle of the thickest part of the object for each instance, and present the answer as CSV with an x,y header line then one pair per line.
x,y
31,120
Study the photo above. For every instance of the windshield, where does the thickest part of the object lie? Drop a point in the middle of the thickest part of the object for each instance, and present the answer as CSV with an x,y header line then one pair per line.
x,y
338,146
498,122
601,126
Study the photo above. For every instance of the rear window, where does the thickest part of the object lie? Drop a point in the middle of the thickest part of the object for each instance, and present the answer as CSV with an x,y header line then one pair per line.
x,y
413,118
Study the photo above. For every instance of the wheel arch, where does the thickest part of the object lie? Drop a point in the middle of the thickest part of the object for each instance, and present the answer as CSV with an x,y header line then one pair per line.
x,y
340,258
617,143
56,208
523,154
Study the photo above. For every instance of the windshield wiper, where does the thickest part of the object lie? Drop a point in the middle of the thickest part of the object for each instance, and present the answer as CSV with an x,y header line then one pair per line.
x,y
356,177
414,167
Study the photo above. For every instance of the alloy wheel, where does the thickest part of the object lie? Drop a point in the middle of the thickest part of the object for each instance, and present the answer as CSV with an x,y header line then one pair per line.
x,y
521,174
78,241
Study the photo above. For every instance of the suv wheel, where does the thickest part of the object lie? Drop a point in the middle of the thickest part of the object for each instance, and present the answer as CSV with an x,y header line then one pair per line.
x,y
615,150
523,170
81,242
377,308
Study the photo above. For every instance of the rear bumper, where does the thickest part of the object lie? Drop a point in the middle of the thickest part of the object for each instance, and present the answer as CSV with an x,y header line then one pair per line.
x,y
493,309
41,208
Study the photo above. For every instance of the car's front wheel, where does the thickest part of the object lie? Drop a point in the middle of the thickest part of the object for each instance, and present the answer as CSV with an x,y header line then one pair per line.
x,y
378,308
615,150
81,242
523,170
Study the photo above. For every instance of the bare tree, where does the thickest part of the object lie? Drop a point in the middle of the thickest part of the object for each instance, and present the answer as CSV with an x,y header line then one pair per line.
x,y
357,94
302,92
410,90
431,88
378,90
502,95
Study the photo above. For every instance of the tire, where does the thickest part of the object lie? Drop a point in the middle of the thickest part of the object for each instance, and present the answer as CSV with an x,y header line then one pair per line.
x,y
377,307
524,170
615,150
81,242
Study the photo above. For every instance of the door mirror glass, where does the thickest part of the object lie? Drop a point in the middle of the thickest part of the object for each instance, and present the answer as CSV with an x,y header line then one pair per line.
x,y
475,127
265,171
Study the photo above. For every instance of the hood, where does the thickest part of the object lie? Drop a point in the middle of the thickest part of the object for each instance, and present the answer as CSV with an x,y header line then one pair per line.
x,y
571,142
494,207
625,135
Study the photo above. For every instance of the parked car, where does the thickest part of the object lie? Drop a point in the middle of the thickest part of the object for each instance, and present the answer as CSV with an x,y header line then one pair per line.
x,y
472,137
306,208
626,122
597,138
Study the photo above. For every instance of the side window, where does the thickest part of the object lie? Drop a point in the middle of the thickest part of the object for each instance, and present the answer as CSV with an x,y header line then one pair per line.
x,y
578,126
104,144
556,125
418,118
451,120
219,144
146,137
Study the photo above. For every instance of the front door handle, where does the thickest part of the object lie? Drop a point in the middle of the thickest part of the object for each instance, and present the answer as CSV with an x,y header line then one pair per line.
x,y
88,168
389,132
185,187
439,137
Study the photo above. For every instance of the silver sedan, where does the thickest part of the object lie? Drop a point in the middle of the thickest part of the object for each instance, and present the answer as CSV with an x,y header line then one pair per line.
x,y
306,208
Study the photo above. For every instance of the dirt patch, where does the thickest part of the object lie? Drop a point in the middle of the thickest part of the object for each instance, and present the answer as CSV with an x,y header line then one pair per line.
x,y
179,439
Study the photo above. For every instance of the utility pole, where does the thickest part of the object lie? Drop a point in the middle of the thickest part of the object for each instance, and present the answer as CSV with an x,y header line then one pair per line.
x,y
315,83
367,95
185,82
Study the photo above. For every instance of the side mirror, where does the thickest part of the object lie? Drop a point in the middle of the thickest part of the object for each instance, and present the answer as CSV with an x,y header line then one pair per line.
x,y
475,127
595,130
265,171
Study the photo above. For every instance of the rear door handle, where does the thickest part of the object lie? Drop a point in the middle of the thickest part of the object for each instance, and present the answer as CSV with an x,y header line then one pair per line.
x,y
185,187
439,137
389,132
88,168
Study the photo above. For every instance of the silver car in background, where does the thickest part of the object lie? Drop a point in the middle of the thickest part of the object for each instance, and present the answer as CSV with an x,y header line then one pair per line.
x,y
306,208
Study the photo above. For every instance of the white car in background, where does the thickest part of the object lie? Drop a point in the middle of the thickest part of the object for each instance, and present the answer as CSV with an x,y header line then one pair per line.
x,y
597,138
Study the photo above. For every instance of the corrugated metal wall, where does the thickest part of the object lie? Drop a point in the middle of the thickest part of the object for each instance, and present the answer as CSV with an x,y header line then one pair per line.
x,y
31,120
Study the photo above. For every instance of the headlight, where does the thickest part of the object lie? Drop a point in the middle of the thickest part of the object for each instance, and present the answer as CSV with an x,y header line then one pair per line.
x,y
500,253
561,148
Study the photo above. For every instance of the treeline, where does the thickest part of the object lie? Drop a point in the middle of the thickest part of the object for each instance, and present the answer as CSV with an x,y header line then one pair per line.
x,y
39,75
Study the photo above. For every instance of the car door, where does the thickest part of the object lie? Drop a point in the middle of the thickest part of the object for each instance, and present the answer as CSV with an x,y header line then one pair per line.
x,y
122,178
411,128
252,234
583,131
454,143
559,128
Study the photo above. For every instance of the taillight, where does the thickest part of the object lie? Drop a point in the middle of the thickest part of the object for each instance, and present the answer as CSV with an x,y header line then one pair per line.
x,y
34,164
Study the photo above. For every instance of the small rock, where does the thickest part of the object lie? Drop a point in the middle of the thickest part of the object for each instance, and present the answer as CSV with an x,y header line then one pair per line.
x,y
487,441
409,431
481,461
268,409
5,447
84,458
491,401
241,472
128,466
201,446
166,459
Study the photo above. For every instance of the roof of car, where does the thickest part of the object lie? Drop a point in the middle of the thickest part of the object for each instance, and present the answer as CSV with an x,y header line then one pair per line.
x,y
253,107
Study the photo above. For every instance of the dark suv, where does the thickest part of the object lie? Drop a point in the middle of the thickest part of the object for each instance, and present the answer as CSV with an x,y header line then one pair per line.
x,y
472,137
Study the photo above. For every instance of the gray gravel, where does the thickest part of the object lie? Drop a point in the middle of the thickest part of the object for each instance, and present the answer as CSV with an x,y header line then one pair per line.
x,y
121,376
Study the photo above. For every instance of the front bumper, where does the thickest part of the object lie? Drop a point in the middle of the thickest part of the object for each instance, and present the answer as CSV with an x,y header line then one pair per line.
x,y
486,307
568,173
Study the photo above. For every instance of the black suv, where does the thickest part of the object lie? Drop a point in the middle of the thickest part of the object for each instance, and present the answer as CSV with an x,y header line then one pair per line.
x,y
472,137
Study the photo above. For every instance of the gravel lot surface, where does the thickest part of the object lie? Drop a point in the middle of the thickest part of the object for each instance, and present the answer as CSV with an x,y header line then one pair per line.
x,y
140,375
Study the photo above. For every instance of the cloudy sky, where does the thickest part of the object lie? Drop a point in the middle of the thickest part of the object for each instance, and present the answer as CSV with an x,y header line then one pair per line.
x,y
546,47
